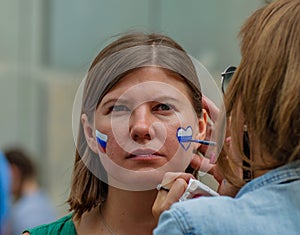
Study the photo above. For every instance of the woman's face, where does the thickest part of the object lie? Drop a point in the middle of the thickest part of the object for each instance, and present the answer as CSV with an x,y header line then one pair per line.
x,y
143,116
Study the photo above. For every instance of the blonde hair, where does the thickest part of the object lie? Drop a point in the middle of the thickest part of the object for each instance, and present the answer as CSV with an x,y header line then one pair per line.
x,y
265,89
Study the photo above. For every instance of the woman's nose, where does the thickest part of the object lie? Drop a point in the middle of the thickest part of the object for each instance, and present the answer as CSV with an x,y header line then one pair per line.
x,y
141,129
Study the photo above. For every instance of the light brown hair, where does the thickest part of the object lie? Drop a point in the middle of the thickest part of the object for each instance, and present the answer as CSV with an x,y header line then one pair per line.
x,y
265,90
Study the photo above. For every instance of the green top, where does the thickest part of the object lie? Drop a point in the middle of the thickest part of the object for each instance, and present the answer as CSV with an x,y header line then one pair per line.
x,y
63,226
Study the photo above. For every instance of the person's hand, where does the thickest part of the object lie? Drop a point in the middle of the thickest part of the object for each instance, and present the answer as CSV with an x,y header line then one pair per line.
x,y
204,165
177,184
209,166
205,161
210,107
212,111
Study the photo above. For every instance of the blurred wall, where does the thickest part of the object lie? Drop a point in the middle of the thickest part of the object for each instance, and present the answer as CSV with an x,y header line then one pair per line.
x,y
46,47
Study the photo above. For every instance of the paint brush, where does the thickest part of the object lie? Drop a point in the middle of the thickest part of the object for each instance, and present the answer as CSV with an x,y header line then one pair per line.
x,y
206,142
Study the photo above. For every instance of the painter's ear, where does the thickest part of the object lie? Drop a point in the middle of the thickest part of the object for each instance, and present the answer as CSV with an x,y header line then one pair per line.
x,y
202,126
89,133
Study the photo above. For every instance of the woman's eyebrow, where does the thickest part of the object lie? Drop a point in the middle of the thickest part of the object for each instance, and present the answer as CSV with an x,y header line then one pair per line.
x,y
163,98
177,100
113,101
124,101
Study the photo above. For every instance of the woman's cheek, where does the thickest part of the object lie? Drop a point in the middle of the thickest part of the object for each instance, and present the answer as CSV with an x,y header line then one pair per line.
x,y
114,149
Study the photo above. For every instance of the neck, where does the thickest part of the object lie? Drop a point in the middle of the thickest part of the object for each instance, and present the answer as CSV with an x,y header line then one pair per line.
x,y
123,212
133,205
129,212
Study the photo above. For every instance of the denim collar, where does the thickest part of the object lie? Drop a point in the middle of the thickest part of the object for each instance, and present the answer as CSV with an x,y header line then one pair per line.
x,y
285,173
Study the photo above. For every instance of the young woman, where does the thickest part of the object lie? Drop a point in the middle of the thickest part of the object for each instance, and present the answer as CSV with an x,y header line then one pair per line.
x,y
141,116
263,102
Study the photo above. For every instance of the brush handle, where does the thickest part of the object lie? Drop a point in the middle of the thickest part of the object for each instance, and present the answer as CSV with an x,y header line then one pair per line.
x,y
206,142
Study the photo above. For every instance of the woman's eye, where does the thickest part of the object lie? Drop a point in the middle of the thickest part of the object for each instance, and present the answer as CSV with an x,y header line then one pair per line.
x,y
119,108
162,107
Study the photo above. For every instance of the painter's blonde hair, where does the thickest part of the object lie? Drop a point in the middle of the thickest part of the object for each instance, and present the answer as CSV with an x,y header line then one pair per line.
x,y
264,93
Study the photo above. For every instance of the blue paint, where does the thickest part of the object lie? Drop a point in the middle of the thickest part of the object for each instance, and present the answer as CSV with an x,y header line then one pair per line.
x,y
101,139
185,137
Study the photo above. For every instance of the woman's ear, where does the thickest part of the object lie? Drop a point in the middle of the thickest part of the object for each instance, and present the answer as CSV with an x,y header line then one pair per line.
x,y
89,133
202,126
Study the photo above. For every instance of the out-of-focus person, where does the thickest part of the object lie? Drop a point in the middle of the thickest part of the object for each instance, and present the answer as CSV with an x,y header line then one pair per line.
x,y
30,204
4,193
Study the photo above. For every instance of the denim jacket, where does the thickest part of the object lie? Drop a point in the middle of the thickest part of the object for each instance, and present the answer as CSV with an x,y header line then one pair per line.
x,y
269,205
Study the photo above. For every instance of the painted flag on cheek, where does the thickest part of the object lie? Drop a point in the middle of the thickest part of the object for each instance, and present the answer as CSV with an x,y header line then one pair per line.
x,y
102,141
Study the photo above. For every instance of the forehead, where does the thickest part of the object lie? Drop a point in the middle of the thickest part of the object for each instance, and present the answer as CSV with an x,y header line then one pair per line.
x,y
151,78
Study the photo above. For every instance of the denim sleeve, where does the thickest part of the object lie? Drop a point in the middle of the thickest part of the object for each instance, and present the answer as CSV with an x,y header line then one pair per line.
x,y
168,224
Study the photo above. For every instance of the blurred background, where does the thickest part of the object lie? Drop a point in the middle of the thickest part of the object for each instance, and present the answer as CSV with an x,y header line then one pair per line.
x,y
46,47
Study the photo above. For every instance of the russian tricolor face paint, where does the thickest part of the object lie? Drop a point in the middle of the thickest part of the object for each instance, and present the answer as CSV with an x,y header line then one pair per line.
x,y
101,141
185,137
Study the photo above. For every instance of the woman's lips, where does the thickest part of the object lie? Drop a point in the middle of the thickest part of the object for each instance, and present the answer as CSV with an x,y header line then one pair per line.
x,y
144,154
